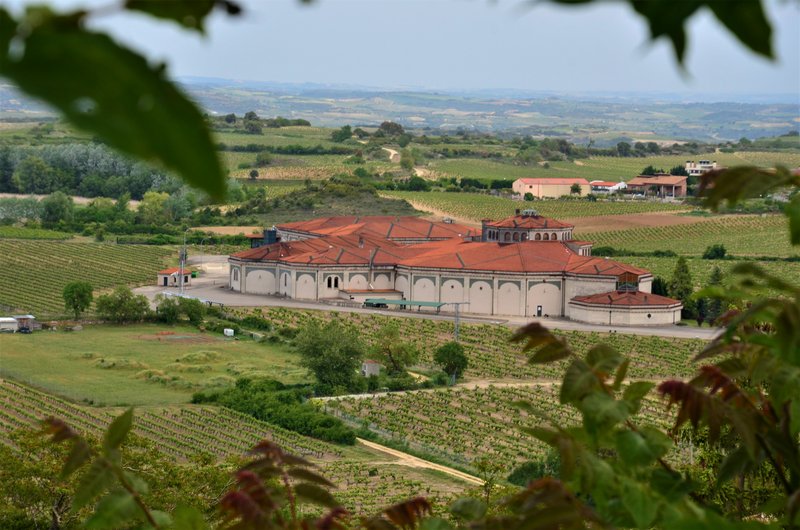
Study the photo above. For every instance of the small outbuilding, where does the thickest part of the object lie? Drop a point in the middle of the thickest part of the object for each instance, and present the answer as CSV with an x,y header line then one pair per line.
x,y
626,308
8,325
370,368
172,277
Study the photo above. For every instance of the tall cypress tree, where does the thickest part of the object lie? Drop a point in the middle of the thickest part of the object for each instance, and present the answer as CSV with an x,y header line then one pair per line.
x,y
681,287
6,171
715,307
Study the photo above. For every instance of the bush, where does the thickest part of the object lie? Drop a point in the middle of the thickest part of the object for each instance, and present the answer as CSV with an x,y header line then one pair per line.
x,y
122,306
715,252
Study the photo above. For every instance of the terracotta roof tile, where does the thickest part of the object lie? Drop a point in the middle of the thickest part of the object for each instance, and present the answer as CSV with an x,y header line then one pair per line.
x,y
627,299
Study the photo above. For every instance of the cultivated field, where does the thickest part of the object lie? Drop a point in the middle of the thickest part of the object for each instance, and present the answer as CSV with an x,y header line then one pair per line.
x,y
35,272
366,479
602,168
144,364
16,232
752,235
476,206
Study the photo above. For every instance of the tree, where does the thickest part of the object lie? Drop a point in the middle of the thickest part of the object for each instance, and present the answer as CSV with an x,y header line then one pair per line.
x,y
77,297
660,286
451,357
34,175
529,197
122,306
167,310
404,139
575,189
651,170
345,133
332,352
57,207
253,174
681,287
230,118
390,128
152,208
251,116
253,127
407,159
715,306
7,182
390,349
679,171
715,252
623,149
700,311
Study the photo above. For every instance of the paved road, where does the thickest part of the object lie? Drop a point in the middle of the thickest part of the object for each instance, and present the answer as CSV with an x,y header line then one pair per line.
x,y
212,286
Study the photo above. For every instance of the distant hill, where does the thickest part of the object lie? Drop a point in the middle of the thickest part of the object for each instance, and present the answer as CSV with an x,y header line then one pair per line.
x,y
605,118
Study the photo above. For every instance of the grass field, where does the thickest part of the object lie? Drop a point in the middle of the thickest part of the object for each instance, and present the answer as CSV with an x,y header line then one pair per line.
x,y
602,168
140,365
751,235
35,272
477,206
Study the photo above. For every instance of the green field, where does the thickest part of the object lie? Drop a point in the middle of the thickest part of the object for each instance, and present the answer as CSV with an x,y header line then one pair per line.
x,y
15,232
35,272
602,168
367,480
752,235
477,206
140,365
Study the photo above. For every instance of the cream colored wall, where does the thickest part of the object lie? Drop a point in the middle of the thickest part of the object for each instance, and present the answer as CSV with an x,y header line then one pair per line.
x,y
546,295
357,281
585,286
424,290
382,281
624,316
285,283
259,281
452,291
646,285
401,284
509,298
236,284
306,286
480,297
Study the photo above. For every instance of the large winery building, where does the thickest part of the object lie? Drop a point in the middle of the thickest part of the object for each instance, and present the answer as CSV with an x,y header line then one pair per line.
x,y
526,265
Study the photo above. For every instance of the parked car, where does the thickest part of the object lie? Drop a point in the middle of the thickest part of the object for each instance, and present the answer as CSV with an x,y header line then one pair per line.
x,y
24,329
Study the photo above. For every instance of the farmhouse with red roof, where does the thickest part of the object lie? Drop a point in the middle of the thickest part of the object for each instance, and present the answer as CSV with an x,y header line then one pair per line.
x,y
549,187
526,265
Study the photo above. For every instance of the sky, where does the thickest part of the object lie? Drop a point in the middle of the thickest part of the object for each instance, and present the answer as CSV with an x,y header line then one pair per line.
x,y
464,45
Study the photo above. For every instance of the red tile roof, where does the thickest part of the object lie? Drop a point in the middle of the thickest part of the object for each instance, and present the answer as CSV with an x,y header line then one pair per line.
x,y
627,299
553,181
384,226
528,222
657,181
603,183
175,270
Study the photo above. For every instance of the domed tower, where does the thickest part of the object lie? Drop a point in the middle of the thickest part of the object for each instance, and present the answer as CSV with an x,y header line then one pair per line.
x,y
525,225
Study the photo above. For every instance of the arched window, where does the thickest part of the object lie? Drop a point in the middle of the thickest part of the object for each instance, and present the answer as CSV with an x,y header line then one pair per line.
x,y
524,236
236,275
538,236
516,236
336,282
546,237
507,236
330,282
554,236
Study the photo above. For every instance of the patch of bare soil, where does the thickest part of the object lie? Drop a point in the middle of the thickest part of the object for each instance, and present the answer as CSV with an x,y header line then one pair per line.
x,y
171,336
229,230
602,223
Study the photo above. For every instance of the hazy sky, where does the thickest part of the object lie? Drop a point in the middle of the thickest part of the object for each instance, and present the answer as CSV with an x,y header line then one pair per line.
x,y
465,44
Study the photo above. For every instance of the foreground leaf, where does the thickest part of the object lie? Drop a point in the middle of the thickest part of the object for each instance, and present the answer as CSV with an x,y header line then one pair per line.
x,y
108,90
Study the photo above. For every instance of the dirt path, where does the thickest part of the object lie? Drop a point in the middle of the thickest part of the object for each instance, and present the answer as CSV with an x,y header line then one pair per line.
x,y
437,215
405,459
132,205
394,156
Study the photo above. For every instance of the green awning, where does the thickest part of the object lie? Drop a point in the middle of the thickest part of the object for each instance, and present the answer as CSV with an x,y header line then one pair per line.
x,y
404,302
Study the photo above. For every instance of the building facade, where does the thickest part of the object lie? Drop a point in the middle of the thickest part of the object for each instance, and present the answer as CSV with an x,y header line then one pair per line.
x,y
486,274
543,188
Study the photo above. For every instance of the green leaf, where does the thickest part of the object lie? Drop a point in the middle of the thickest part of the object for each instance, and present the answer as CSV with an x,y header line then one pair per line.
x,y
640,503
468,509
310,476
550,353
97,479
188,518
114,509
578,381
118,430
188,13
603,358
735,463
435,523
622,371
792,210
746,20
602,411
78,456
315,495
633,449
110,91
634,393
